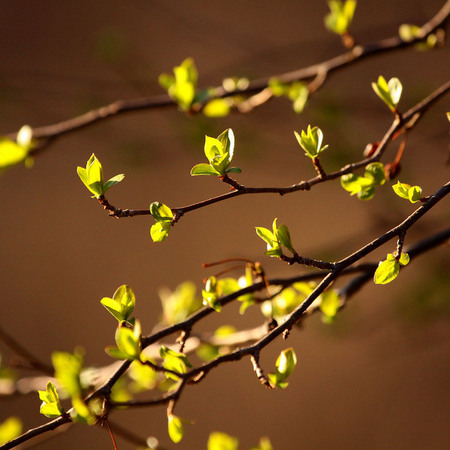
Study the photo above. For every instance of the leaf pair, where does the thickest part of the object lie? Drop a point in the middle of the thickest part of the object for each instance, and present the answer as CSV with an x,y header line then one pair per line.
x,y
122,304
219,152
364,187
128,343
296,91
409,32
341,16
284,366
92,177
51,405
177,305
388,269
389,91
182,84
311,141
164,217
14,152
411,193
175,361
275,239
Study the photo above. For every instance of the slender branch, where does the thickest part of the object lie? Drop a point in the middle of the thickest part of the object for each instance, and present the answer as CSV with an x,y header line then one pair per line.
x,y
20,350
50,132
296,315
50,426
397,126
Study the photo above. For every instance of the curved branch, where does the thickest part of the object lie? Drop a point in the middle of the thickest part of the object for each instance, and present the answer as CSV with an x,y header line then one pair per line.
x,y
50,132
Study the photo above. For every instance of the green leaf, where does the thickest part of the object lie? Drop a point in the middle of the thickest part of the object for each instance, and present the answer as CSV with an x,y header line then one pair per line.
x,y
354,183
207,352
68,368
175,361
390,92
285,364
10,429
387,270
401,189
271,238
404,259
233,170
181,87
375,172
415,194
204,169
129,341
341,16
11,153
211,295
264,444
161,212
122,304
113,181
51,406
92,177
222,441
219,152
411,193
175,428
277,87
218,107
159,231
265,234
329,304
180,303
284,237
299,94
311,141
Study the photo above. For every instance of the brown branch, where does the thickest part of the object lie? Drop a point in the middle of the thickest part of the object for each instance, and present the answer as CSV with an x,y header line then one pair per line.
x,y
297,314
397,126
33,361
48,133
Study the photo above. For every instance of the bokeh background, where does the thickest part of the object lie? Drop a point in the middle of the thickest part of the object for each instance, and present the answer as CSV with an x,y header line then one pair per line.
x,y
375,379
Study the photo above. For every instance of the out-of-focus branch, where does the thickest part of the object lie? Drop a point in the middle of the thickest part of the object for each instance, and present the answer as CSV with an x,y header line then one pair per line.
x,y
47,134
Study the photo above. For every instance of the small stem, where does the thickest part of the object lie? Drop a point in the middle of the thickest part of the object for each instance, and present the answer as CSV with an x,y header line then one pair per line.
x,y
258,371
297,259
319,168
400,241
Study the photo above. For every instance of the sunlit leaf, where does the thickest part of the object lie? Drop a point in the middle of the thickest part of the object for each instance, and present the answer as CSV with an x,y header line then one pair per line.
x,y
175,428
222,441
311,141
390,92
51,406
10,429
340,18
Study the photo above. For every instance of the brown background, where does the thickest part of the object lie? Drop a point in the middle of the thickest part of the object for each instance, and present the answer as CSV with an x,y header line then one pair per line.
x,y
378,378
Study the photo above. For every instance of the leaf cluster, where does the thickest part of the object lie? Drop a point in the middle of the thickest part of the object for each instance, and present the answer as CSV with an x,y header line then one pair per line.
x,y
275,239
219,152
411,193
92,177
297,92
182,84
311,141
364,186
341,16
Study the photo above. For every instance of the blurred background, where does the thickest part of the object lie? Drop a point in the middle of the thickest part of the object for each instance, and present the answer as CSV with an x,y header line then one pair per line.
x,y
375,379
